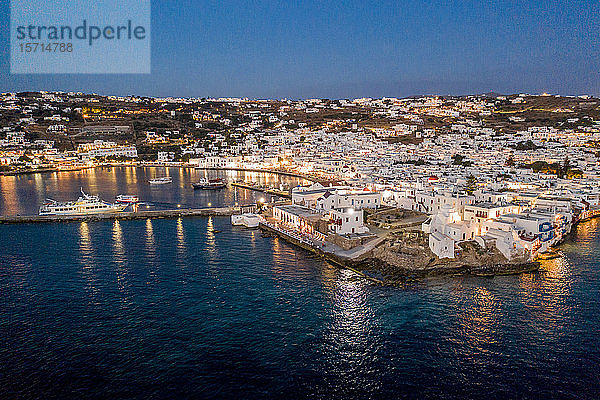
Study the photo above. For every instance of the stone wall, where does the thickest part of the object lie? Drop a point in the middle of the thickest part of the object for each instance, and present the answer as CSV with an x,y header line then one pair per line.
x,y
348,243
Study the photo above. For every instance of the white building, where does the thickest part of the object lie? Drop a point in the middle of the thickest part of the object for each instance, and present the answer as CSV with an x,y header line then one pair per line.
x,y
347,221
100,148
165,156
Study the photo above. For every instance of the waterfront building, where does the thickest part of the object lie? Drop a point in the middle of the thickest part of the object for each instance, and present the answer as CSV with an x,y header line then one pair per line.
x,y
299,218
347,221
100,148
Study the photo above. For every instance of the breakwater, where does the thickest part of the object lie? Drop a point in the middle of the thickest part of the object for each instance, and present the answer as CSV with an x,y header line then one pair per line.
x,y
268,171
262,189
178,213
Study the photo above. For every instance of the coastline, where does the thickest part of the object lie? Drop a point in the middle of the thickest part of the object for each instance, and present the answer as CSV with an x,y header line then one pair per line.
x,y
377,270
159,165
369,265
371,268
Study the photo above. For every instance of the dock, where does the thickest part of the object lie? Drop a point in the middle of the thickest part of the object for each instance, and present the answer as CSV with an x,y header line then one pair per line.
x,y
266,190
269,171
127,215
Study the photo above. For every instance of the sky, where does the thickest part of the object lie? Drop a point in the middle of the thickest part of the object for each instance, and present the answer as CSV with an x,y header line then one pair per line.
x,y
349,49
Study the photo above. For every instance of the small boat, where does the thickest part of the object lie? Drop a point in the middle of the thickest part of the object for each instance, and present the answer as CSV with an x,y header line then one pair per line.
x,y
127,199
208,184
86,204
161,181
248,220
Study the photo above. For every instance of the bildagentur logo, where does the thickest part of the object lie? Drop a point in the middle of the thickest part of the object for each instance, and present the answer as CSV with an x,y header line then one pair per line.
x,y
80,36
85,31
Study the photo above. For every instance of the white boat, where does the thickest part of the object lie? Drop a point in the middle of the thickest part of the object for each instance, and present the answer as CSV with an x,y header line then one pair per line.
x,y
161,181
248,220
127,199
86,204
207,184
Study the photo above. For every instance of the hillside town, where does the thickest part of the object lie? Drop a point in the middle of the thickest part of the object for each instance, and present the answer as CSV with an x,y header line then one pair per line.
x,y
512,174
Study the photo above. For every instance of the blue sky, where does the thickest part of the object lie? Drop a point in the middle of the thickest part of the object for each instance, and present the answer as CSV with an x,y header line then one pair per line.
x,y
346,49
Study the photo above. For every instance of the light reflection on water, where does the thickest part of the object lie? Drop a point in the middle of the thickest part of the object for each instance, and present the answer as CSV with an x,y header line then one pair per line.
x,y
119,255
86,257
23,194
151,250
181,246
211,239
234,313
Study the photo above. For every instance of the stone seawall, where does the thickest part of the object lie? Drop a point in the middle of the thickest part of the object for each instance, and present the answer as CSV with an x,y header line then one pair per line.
x,y
188,212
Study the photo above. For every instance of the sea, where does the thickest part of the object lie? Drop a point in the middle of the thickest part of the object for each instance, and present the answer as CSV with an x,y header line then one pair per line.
x,y
193,308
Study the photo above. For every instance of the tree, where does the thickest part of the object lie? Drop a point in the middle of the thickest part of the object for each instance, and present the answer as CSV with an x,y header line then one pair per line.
x,y
458,159
510,162
565,167
24,158
471,184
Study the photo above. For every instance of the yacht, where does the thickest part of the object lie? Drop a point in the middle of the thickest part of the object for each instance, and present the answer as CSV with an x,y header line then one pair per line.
x,y
86,204
127,199
248,220
161,181
207,184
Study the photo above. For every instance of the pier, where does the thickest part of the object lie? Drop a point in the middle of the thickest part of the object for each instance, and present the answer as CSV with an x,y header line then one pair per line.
x,y
266,190
126,215
268,171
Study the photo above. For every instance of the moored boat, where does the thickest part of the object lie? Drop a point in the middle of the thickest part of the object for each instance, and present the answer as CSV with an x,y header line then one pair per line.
x,y
161,181
127,199
85,204
248,220
208,184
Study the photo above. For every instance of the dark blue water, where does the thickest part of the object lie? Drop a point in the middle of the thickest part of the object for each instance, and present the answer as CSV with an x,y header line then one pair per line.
x,y
171,309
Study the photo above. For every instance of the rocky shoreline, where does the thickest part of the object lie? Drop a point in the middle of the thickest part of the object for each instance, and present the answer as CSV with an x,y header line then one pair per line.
x,y
406,256
391,274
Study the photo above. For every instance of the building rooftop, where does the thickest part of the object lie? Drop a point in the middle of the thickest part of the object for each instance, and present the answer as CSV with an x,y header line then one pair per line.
x,y
298,210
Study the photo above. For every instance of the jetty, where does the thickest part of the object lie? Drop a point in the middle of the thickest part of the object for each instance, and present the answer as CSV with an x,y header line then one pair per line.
x,y
267,190
268,171
124,215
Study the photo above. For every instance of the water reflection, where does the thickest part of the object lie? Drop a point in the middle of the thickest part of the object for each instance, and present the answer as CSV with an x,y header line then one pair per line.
x,y
585,238
86,257
119,255
351,344
151,249
478,313
39,188
545,296
19,196
8,187
85,244
181,247
211,243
